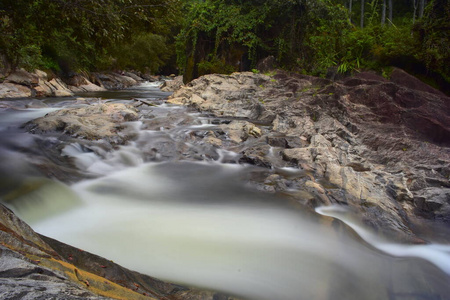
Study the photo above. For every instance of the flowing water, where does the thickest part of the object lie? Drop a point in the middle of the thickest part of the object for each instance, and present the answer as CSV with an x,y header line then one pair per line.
x,y
193,218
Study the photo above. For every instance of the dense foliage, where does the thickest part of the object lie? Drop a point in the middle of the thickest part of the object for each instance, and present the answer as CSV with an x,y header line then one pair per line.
x,y
315,36
319,37
86,34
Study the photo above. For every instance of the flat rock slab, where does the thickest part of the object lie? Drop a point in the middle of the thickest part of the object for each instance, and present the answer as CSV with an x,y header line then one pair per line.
x,y
91,122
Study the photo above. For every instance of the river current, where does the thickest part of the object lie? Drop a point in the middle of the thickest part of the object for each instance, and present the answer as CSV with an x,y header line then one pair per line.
x,y
199,221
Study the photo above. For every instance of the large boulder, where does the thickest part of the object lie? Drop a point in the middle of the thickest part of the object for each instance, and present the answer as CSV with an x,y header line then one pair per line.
x,y
224,96
79,83
54,88
172,85
23,77
12,90
266,64
402,78
91,122
113,81
21,84
29,267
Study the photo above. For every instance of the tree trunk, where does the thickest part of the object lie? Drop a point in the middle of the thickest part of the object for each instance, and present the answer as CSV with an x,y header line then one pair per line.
x,y
421,8
383,13
415,10
350,10
362,13
390,12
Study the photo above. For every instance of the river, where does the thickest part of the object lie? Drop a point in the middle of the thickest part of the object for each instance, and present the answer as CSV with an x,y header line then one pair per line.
x,y
197,219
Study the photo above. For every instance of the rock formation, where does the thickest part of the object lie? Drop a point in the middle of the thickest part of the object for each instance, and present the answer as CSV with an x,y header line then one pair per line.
x,y
23,84
101,121
172,85
379,146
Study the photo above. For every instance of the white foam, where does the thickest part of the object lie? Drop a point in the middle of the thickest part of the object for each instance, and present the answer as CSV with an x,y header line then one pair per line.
x,y
437,254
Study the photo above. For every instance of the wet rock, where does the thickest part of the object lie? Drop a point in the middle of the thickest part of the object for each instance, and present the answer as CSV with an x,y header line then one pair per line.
x,y
36,104
79,83
23,77
91,122
134,76
113,81
286,141
87,87
11,90
172,85
21,278
224,96
257,156
43,90
57,88
434,202
240,131
381,145
22,84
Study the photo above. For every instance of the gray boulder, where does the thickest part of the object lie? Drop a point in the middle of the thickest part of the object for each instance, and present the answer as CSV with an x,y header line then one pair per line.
x,y
92,122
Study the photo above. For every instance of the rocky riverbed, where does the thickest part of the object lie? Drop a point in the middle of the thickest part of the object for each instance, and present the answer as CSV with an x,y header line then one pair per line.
x,y
380,146
377,146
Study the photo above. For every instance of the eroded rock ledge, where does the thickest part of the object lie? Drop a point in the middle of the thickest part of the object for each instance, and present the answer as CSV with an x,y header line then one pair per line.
x,y
378,145
23,84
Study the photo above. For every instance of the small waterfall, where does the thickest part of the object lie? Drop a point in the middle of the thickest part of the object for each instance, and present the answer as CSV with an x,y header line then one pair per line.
x,y
437,254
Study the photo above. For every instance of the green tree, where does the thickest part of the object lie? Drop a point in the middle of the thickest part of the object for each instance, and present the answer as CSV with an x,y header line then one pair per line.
x,y
234,35
433,36
78,34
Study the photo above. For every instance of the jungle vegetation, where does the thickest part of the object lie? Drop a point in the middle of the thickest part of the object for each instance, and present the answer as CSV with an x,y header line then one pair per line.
x,y
196,37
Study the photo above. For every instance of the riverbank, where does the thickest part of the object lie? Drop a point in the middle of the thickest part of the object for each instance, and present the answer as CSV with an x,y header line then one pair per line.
x,y
40,84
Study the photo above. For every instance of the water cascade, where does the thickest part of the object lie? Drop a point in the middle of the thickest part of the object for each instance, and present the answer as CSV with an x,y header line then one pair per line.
x,y
198,222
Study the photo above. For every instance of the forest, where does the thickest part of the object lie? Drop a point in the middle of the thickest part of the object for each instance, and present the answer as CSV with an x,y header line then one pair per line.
x,y
196,37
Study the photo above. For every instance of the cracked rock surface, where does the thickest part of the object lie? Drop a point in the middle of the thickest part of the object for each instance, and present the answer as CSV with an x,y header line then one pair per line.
x,y
379,146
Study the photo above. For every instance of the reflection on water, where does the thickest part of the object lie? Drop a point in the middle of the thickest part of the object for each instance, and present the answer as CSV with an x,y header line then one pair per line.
x,y
198,223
